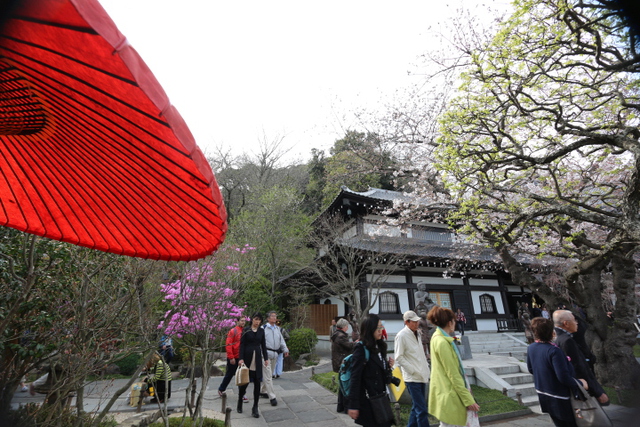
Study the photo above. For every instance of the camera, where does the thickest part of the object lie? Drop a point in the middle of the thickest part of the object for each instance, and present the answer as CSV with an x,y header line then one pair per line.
x,y
391,379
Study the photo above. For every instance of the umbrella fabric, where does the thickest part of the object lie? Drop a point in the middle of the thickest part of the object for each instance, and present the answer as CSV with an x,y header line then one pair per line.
x,y
91,150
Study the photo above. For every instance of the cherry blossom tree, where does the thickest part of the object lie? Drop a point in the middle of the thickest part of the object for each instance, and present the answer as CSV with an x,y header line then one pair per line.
x,y
203,307
540,153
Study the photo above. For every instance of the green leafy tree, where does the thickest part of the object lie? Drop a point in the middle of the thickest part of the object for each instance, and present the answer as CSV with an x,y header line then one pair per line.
x,y
358,160
276,222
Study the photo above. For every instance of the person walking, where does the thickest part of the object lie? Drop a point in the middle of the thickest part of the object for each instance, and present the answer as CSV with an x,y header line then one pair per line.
x,y
565,326
460,321
449,394
341,347
275,344
277,371
553,375
253,353
233,354
412,360
369,375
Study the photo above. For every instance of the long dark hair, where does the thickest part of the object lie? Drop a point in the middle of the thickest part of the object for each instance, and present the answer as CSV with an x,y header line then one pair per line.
x,y
368,327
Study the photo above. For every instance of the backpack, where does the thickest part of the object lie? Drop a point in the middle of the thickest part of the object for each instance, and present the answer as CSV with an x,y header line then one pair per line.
x,y
344,373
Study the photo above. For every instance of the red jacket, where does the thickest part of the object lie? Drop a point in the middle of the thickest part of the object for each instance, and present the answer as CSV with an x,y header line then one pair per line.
x,y
233,343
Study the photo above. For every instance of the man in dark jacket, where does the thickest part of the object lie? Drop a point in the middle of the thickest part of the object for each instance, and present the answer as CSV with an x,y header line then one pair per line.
x,y
565,326
340,348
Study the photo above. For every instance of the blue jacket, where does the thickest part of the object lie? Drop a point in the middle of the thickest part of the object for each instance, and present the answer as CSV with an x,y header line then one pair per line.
x,y
554,379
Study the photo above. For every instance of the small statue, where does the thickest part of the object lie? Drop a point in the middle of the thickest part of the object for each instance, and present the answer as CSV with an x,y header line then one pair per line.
x,y
423,302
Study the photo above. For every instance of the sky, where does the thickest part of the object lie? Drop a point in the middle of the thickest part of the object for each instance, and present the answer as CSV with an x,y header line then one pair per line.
x,y
241,72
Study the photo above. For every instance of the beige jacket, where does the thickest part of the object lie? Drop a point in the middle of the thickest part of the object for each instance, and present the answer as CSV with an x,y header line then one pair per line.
x,y
410,356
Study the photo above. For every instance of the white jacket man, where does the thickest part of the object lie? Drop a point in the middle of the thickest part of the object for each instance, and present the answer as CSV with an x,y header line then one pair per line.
x,y
274,342
410,357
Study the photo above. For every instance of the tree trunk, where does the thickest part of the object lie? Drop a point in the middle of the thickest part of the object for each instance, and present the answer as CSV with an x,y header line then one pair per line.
x,y
611,341
615,338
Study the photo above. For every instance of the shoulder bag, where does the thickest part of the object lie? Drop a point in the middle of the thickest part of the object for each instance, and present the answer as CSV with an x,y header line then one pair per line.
x,y
587,410
381,408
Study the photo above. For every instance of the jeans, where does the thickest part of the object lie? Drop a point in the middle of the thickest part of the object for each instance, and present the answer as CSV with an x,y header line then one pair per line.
x,y
418,417
279,365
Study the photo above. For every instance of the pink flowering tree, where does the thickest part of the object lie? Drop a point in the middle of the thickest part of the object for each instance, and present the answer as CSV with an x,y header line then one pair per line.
x,y
203,308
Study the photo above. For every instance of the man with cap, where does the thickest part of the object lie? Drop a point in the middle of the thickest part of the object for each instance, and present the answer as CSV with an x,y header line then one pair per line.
x,y
412,360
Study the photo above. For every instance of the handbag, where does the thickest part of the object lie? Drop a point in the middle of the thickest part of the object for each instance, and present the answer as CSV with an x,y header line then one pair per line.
x,y
587,410
242,375
381,408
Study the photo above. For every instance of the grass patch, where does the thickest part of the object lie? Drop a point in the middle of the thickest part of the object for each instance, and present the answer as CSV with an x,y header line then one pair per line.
x,y
188,422
491,401
636,350
312,360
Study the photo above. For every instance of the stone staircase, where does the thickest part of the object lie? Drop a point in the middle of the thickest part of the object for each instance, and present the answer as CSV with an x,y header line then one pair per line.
x,y
509,373
501,344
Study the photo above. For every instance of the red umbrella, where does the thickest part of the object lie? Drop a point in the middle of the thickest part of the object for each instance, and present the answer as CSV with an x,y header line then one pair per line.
x,y
91,150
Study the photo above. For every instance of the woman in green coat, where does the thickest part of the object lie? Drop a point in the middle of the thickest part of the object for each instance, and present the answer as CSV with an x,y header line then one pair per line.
x,y
449,394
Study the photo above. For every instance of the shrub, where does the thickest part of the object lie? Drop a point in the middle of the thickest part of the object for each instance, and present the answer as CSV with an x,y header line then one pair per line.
x,y
301,341
129,364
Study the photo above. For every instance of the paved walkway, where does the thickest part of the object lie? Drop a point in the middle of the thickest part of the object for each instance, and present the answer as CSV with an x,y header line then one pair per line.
x,y
301,402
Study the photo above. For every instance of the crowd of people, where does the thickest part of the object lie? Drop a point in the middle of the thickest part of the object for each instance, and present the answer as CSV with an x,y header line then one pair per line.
x,y
260,347
429,359
425,337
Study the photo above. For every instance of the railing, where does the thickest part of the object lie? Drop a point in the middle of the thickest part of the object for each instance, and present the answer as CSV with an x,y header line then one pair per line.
x,y
509,325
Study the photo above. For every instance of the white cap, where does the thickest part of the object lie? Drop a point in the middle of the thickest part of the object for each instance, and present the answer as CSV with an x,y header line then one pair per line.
x,y
410,315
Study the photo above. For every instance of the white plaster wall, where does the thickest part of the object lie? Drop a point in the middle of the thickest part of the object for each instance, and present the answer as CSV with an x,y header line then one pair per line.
x,y
389,279
483,282
393,327
437,281
486,324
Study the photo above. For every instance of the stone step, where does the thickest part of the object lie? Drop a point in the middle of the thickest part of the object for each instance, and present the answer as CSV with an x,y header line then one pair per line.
x,y
525,389
495,349
518,378
506,370
531,400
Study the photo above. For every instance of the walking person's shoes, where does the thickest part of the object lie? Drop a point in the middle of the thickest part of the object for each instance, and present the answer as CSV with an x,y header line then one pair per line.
x,y
254,412
274,402
239,406
245,399
265,395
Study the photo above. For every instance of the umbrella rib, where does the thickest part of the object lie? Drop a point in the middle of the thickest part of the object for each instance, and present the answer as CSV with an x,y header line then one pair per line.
x,y
200,179
70,58
159,170
86,30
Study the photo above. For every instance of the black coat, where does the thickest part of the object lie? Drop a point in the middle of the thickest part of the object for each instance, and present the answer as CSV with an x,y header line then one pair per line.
x,y
571,348
368,379
253,343
340,348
